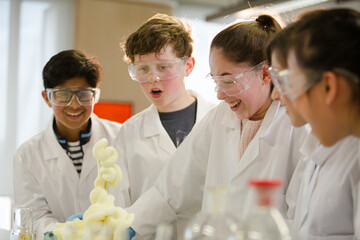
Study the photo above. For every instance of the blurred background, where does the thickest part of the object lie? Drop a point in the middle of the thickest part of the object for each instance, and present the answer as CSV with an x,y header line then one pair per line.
x,y
31,31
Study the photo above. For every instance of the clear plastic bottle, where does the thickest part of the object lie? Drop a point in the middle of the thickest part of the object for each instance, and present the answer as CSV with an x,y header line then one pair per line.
x,y
22,228
213,223
265,221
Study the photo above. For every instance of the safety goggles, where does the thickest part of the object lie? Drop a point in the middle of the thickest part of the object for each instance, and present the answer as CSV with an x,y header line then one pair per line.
x,y
161,70
65,96
233,85
292,84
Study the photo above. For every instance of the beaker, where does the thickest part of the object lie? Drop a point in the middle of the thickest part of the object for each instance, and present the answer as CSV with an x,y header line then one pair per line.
x,y
22,228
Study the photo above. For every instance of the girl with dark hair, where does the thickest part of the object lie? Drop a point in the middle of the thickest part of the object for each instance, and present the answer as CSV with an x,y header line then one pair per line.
x,y
320,80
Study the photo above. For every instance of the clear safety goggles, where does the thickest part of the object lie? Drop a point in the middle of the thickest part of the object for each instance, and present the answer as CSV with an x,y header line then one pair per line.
x,y
233,85
292,84
65,96
162,70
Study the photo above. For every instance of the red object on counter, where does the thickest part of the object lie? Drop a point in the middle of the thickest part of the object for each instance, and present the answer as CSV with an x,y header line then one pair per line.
x,y
113,111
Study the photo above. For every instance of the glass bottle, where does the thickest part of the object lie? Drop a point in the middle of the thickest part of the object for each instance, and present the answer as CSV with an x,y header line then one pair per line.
x,y
164,231
265,221
213,223
22,224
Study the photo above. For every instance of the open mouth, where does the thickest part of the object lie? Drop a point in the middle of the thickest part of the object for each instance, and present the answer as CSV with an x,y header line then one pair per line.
x,y
156,91
234,104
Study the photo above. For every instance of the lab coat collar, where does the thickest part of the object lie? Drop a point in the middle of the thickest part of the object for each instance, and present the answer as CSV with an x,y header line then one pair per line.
x,y
152,123
323,153
54,152
252,151
153,127
232,121
57,152
317,159
309,145
268,122
201,104
52,143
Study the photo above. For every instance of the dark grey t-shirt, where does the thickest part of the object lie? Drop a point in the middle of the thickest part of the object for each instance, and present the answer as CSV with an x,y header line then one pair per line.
x,y
178,124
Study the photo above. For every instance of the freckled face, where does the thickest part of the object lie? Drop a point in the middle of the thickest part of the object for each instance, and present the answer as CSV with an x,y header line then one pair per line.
x,y
166,95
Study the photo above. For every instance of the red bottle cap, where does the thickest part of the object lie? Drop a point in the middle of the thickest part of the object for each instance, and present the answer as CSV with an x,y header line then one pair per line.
x,y
265,182
265,189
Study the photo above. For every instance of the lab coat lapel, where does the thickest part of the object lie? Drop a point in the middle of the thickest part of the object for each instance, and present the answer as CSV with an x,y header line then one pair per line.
x,y
308,147
203,105
154,128
252,151
56,157
319,157
307,188
89,162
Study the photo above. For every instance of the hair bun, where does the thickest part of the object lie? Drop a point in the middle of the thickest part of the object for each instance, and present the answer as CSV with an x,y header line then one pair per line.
x,y
267,22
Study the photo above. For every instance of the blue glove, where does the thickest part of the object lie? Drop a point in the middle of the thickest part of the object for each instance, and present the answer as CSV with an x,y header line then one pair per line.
x,y
50,236
75,216
132,233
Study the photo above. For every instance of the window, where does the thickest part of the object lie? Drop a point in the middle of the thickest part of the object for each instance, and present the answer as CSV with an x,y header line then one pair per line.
x,y
30,33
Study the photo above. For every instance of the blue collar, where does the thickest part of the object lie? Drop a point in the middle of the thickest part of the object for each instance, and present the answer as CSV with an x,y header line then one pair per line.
x,y
84,136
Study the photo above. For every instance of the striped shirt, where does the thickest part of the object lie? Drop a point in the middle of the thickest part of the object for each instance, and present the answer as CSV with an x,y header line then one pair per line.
x,y
74,149
76,154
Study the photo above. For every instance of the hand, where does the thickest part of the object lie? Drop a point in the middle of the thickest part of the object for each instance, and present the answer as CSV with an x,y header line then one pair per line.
x,y
75,216
132,233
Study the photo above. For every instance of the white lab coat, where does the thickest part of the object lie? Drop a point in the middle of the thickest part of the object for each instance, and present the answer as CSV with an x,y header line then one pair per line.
x,y
307,148
210,156
45,178
144,148
328,201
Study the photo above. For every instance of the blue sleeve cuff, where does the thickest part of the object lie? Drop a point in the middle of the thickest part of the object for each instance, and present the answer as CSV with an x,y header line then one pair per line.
x,y
132,233
75,216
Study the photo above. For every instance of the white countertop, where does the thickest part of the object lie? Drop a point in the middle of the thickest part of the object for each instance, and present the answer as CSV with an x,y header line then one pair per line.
x,y
4,234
